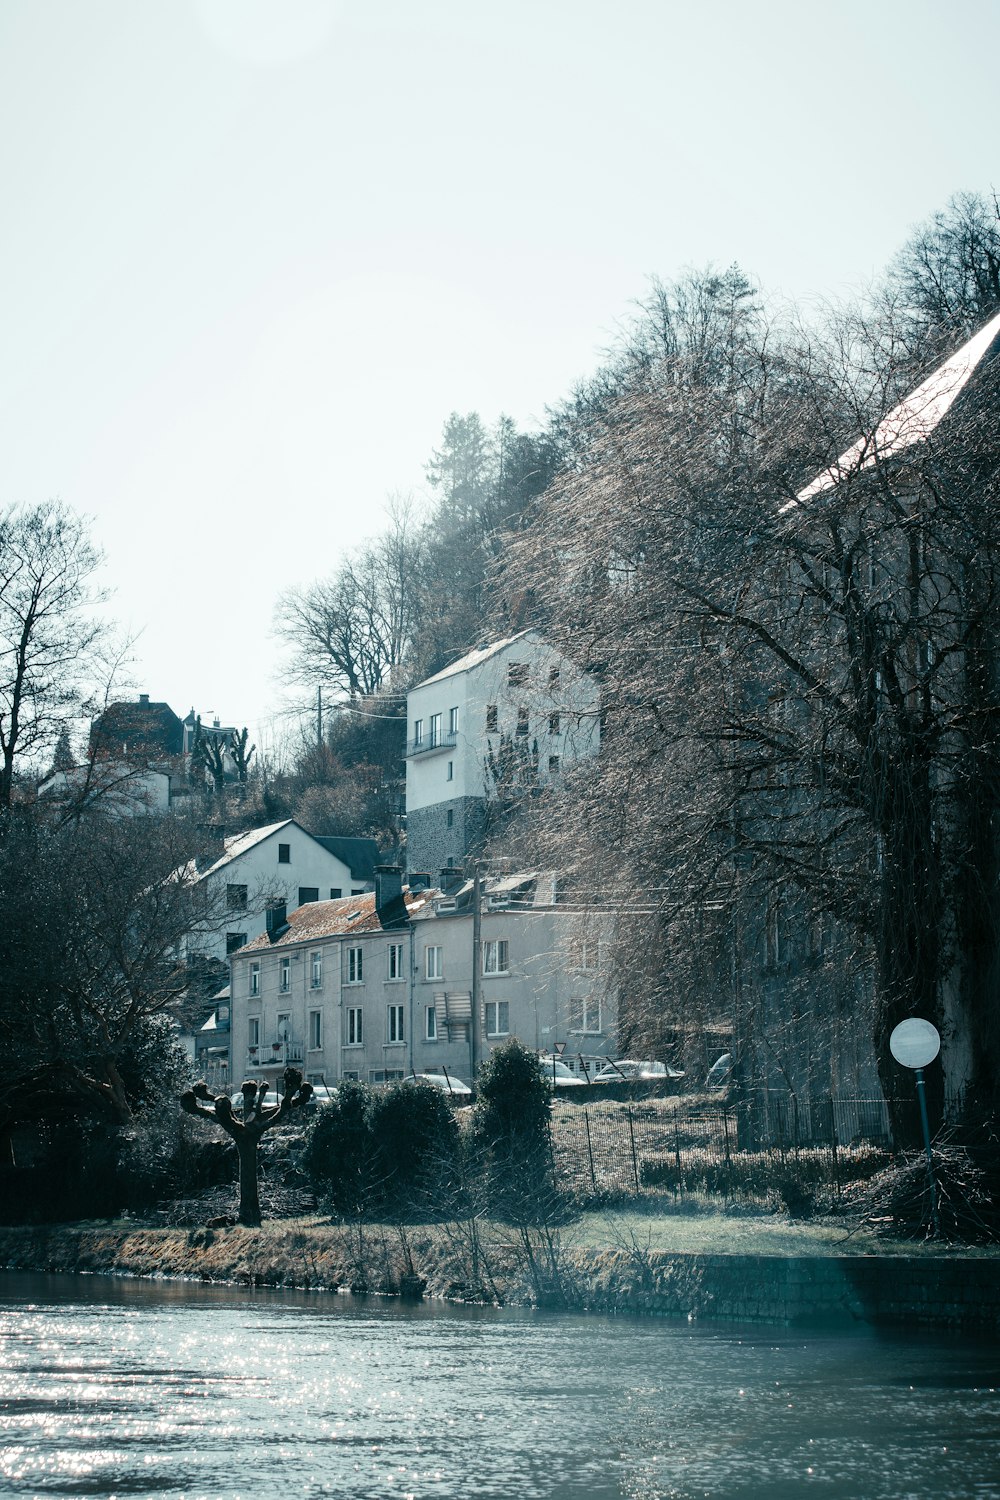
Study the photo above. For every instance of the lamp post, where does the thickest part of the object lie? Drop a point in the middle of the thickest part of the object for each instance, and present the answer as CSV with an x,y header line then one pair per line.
x,y
914,1044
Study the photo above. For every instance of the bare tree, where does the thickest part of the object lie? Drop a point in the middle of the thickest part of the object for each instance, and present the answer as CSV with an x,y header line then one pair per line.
x,y
47,632
800,697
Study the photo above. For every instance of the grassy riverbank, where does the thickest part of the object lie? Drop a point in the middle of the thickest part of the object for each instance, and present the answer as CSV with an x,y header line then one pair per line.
x,y
705,1263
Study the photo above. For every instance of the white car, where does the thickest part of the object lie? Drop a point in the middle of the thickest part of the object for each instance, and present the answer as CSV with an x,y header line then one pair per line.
x,y
447,1083
628,1070
559,1075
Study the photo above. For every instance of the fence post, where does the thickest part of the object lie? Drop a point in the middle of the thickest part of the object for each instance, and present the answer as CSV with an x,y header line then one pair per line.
x,y
729,1160
679,1192
635,1159
590,1150
833,1145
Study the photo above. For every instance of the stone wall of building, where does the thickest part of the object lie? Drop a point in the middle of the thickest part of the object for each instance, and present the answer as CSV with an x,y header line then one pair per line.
x,y
433,842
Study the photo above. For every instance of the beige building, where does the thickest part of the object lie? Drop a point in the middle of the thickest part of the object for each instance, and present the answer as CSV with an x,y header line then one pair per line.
x,y
398,981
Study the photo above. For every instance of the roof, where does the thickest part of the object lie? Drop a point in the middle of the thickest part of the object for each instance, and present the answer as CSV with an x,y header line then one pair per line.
x,y
915,418
475,658
359,855
347,917
240,843
143,728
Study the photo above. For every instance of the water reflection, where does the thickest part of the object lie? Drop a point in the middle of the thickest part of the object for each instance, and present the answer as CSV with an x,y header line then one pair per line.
x,y
131,1388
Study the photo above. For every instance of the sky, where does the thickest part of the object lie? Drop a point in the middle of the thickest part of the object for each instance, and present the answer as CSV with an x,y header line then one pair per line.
x,y
254,252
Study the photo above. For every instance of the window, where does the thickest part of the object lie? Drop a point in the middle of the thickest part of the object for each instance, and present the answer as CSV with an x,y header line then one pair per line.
x,y
253,1031
491,718
284,1027
236,897
395,968
553,678
316,971
451,771
394,1023
255,979
430,1023
315,1030
553,723
235,941
284,854
336,891
355,966
351,1075
497,1017
522,721
434,968
418,732
308,893
553,765
435,729
453,721
355,1027
285,975
587,1014
588,955
495,956
357,890
451,817
517,673
385,1075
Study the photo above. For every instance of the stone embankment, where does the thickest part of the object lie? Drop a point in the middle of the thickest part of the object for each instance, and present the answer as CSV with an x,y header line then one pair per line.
x,y
956,1292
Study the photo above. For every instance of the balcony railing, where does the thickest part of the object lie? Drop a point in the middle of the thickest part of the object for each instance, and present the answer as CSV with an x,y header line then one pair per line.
x,y
276,1054
431,745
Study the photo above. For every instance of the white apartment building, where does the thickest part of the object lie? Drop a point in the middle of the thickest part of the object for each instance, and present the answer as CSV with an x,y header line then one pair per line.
x,y
514,714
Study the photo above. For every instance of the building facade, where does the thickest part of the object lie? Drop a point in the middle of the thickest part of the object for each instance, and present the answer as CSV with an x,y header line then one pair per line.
x,y
507,718
403,981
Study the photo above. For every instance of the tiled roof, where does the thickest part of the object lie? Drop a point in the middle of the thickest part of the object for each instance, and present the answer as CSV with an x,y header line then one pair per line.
x,y
475,658
345,917
914,419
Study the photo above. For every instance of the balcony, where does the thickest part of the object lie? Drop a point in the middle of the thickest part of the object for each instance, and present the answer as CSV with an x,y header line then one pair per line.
x,y
277,1054
429,744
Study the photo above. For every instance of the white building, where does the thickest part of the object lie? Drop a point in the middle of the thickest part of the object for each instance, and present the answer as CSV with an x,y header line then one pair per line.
x,y
510,716
381,986
265,868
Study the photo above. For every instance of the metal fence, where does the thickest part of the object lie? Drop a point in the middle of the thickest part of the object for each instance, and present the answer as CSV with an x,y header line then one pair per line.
x,y
752,1151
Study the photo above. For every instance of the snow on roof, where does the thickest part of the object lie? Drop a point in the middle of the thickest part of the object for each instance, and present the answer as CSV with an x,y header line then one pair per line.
x,y
913,420
475,657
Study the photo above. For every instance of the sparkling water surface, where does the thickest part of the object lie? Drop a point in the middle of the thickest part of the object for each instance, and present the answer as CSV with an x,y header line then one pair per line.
x,y
126,1388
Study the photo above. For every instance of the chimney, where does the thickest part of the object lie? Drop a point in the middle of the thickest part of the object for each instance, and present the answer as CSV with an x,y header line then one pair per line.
x,y
277,921
451,879
419,880
144,699
388,889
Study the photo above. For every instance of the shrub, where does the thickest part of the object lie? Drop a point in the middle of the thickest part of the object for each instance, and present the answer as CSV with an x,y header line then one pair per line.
x,y
339,1155
415,1138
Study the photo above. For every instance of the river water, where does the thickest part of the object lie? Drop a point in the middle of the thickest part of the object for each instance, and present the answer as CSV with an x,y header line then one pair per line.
x,y
127,1388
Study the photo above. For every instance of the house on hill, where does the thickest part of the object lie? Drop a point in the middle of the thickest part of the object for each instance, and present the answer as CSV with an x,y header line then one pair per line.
x,y
507,719
280,865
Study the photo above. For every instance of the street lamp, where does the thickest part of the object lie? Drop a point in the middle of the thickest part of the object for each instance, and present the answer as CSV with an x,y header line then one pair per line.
x,y
914,1044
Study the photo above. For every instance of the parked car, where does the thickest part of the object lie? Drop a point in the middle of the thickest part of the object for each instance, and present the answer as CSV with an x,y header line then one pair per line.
x,y
448,1083
628,1068
718,1074
559,1075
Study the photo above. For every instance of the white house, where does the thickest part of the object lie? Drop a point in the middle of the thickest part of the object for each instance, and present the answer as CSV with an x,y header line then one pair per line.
x,y
380,986
514,714
265,868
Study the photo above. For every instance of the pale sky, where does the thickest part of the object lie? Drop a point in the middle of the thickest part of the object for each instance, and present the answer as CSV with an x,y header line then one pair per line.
x,y
253,252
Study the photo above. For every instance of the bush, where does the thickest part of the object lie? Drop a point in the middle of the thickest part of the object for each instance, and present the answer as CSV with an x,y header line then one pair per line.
x,y
339,1151
415,1136
388,1148
513,1098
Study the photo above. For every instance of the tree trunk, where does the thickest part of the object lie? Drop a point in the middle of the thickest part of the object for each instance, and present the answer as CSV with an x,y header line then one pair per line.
x,y
246,1146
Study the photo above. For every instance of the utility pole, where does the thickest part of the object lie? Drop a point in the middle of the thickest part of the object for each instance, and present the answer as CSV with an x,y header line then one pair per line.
x,y
319,717
477,925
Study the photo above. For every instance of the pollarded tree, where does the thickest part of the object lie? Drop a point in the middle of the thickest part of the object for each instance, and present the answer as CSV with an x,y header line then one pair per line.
x,y
48,636
246,1132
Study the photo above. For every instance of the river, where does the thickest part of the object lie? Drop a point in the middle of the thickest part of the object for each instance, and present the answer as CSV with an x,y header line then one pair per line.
x,y
122,1388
